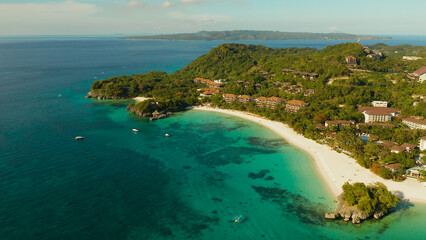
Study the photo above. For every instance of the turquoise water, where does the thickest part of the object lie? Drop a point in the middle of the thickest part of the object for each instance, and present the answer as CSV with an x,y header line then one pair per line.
x,y
116,184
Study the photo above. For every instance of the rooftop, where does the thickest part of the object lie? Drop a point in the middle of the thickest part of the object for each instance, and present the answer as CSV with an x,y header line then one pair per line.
x,y
398,148
414,120
378,110
376,124
230,95
341,122
420,71
394,166
297,103
408,145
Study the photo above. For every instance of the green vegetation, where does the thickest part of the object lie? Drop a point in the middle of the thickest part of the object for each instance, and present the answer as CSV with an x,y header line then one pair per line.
x,y
247,35
338,92
369,198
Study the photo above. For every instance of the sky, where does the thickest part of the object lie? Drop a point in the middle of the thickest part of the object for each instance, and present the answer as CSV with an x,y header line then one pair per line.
x,y
144,17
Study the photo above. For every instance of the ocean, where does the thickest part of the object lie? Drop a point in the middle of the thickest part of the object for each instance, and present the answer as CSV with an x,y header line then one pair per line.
x,y
117,184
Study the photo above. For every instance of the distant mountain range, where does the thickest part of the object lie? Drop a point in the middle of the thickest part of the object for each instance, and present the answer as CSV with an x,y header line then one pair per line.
x,y
247,35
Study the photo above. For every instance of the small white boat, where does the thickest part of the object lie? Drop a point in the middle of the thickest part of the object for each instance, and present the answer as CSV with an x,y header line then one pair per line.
x,y
167,135
238,218
79,138
135,130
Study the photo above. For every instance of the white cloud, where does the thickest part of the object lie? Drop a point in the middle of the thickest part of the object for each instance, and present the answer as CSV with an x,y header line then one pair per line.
x,y
135,4
166,4
332,28
200,17
45,10
190,1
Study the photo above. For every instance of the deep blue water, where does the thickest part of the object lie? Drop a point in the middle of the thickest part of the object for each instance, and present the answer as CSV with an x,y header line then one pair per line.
x,y
119,185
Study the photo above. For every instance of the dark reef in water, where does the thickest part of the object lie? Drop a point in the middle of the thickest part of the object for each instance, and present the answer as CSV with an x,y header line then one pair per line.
x,y
260,174
294,204
229,155
266,143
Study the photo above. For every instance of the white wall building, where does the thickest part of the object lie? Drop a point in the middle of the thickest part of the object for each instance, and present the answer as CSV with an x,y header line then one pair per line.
x,y
378,114
422,144
414,123
379,104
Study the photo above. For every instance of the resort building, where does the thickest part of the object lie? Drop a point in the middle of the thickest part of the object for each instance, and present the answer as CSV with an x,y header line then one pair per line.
x,y
210,91
379,104
295,105
309,92
351,61
313,76
339,123
404,147
408,147
273,101
414,123
422,144
268,102
418,75
245,98
208,82
375,124
411,58
386,144
415,171
230,97
286,70
393,167
261,101
378,114
397,149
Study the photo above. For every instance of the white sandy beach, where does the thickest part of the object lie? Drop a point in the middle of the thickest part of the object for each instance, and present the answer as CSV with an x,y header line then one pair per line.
x,y
140,99
335,168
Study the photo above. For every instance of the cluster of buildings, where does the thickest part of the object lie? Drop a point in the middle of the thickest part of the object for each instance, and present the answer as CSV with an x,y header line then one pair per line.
x,y
373,53
304,75
266,74
269,102
247,84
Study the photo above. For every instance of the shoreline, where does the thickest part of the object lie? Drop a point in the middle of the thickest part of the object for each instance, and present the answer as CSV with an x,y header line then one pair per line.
x,y
333,167
140,99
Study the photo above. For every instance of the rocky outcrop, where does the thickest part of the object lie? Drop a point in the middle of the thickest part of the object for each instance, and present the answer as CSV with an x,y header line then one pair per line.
x,y
351,213
101,96
133,109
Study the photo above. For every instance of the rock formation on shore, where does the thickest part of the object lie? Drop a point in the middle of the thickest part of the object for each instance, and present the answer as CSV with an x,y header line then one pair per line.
x,y
348,213
101,96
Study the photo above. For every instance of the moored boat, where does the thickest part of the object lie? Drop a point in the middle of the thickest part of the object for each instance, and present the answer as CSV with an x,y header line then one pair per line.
x,y
135,130
79,138
167,135
238,218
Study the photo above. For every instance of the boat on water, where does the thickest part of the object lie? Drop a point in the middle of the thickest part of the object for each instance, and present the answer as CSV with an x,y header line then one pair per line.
x,y
167,135
238,218
79,138
135,130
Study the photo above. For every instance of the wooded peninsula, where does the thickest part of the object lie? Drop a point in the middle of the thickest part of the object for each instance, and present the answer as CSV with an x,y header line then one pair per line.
x,y
250,35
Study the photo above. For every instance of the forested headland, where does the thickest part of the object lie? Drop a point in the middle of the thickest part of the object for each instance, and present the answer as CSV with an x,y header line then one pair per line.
x,y
336,93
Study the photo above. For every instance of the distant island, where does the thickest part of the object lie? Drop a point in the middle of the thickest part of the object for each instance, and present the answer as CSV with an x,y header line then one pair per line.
x,y
248,35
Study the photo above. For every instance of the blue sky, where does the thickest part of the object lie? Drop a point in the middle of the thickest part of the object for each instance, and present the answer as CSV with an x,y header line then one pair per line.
x,y
133,17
